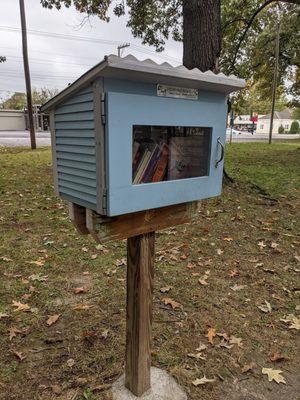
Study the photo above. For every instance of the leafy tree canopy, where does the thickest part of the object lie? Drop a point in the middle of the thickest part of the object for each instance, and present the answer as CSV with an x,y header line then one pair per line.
x,y
18,100
155,21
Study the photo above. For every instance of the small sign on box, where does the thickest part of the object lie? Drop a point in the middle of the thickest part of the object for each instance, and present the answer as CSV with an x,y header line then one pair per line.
x,y
177,92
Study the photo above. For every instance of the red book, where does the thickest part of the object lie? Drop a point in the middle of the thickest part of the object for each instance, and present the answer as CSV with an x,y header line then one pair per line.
x,y
161,165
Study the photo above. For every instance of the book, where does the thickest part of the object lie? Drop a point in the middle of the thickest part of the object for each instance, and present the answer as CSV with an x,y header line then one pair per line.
x,y
147,175
187,158
162,163
136,153
142,165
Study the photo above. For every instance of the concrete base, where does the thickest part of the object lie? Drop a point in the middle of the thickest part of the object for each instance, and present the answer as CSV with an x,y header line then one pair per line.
x,y
163,387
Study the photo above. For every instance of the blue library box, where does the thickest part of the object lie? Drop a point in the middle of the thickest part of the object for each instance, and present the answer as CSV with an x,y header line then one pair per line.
x,y
133,135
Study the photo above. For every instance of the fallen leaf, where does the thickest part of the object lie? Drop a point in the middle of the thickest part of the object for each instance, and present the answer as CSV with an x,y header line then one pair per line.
x,y
70,362
85,249
266,308
190,265
236,288
19,355
274,375
202,280
79,307
171,302
248,367
2,315
38,277
165,289
198,356
276,357
219,252
274,245
40,262
13,332
223,335
6,259
26,296
224,344
94,256
211,333
79,290
52,319
20,306
202,381
119,263
261,244
233,273
236,340
228,239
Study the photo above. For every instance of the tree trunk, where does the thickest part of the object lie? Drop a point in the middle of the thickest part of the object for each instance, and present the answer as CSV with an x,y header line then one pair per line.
x,y
201,34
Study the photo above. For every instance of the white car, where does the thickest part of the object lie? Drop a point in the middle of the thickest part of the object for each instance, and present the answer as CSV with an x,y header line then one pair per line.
x,y
234,131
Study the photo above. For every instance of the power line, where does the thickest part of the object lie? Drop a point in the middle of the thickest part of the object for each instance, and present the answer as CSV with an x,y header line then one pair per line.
x,y
88,39
42,61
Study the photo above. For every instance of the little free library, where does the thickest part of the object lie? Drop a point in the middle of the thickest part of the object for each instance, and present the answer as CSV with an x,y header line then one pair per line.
x,y
135,146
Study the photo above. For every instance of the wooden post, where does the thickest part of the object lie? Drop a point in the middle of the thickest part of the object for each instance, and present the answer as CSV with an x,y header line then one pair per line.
x,y
27,75
140,272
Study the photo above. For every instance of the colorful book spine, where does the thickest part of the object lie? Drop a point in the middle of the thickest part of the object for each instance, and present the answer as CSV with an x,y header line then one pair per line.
x,y
143,163
161,165
135,157
147,175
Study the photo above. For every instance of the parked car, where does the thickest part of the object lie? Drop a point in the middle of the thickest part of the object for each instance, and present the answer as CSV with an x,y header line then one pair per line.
x,y
234,131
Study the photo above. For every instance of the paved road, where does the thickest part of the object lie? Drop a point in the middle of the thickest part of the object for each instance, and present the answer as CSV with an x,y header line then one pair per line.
x,y
259,137
21,138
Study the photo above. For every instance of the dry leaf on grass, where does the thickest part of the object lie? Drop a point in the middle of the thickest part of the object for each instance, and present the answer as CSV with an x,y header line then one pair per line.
x,y
292,320
266,308
171,302
40,262
79,290
236,340
6,259
274,375
233,273
198,356
236,288
211,333
261,244
19,355
202,381
165,289
52,319
248,367
119,263
38,277
13,332
3,315
276,357
20,306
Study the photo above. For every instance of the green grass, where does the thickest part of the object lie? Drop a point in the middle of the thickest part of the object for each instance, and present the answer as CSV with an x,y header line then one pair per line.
x,y
34,225
275,168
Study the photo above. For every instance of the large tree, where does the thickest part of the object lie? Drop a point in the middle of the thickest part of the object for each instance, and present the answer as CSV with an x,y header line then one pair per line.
x,y
247,28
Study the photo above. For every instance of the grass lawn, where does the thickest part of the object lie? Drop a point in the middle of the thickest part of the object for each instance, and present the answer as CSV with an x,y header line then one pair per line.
x,y
244,248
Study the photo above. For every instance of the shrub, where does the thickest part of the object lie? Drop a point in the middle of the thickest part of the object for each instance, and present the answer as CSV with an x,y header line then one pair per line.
x,y
295,128
281,129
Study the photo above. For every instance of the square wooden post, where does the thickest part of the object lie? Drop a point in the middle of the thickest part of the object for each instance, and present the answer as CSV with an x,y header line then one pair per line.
x,y
140,273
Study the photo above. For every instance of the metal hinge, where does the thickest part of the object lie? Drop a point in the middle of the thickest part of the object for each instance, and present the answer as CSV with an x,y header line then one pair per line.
x,y
104,199
103,109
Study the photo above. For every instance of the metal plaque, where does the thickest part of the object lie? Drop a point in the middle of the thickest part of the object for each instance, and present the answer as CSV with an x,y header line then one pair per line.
x,y
177,92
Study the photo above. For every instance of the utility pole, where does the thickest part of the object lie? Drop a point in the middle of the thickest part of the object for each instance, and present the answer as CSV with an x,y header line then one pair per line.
x,y
122,46
27,75
275,78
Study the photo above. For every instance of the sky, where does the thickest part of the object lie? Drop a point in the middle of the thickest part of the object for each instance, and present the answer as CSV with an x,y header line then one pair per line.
x,y
57,59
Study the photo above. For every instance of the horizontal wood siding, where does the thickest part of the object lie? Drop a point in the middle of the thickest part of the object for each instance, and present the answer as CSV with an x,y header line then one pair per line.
x,y
75,149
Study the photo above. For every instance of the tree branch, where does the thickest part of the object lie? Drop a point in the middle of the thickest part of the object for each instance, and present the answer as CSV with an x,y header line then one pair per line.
x,y
263,6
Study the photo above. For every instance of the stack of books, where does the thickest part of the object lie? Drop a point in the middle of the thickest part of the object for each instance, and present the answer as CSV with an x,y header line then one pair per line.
x,y
150,164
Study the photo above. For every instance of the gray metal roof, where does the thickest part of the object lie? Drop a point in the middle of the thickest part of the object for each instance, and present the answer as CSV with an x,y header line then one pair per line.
x,y
131,68
285,114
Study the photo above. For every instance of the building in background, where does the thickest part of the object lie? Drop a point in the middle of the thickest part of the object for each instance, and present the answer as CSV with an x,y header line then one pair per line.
x,y
281,118
17,120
